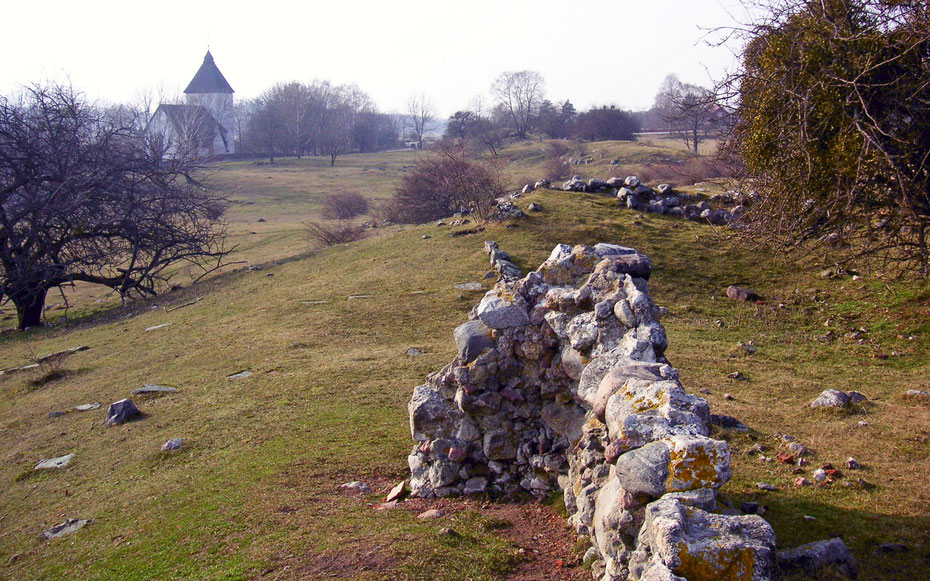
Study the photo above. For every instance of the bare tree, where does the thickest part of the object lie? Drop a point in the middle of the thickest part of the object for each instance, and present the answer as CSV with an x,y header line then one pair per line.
x,y
686,108
520,93
422,116
84,197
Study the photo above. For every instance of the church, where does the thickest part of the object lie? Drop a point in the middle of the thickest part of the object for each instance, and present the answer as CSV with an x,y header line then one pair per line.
x,y
204,124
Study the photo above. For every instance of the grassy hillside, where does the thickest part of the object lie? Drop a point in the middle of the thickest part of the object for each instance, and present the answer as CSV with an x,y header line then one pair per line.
x,y
254,491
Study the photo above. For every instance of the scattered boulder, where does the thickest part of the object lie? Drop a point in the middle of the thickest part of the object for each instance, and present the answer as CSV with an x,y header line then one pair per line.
x,y
356,486
831,398
739,293
66,528
576,184
397,492
54,463
728,422
815,560
122,411
431,514
534,207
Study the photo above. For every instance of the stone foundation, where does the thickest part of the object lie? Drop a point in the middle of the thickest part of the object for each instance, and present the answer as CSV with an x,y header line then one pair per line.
x,y
561,382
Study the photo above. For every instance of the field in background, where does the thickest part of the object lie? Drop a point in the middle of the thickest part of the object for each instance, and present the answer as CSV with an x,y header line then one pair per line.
x,y
254,491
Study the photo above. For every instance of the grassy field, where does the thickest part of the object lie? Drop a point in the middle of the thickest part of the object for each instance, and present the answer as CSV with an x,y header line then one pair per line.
x,y
254,491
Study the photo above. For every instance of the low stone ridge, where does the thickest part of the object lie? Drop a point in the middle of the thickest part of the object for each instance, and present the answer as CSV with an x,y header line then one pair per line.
x,y
561,382
663,199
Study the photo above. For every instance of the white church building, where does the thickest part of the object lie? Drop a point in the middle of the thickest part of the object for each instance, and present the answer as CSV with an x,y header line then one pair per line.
x,y
205,122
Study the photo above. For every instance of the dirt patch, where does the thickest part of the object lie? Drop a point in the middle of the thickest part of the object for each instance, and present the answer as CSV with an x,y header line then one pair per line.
x,y
346,563
547,545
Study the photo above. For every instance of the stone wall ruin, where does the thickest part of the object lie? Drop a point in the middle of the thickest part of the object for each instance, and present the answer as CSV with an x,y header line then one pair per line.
x,y
561,382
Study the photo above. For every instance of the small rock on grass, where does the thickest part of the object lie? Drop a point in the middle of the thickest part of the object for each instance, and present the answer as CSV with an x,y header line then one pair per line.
x,y
121,411
892,548
51,463
766,486
853,464
86,407
739,293
356,485
918,394
53,415
814,559
831,398
153,388
469,286
414,352
172,444
397,492
736,376
66,528
431,514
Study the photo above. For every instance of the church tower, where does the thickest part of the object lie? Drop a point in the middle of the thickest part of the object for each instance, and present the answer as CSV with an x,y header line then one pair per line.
x,y
210,90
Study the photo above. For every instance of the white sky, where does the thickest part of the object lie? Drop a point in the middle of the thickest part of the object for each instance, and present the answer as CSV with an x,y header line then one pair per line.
x,y
592,52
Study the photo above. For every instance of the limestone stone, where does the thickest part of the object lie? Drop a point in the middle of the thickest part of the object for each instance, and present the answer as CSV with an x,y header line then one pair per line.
x,y
831,398
471,339
66,528
53,463
153,388
503,310
122,411
701,546
815,560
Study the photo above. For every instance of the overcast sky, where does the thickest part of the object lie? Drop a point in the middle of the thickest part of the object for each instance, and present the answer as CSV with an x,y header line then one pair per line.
x,y
592,52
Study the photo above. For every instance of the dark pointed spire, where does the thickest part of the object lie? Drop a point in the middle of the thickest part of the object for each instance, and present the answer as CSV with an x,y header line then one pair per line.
x,y
208,79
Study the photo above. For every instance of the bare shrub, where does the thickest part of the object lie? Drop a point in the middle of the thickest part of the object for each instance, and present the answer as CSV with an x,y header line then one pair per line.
x,y
555,169
448,182
332,233
344,205
556,149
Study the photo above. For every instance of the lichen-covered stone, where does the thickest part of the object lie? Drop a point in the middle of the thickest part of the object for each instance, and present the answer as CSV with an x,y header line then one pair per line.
x,y
701,546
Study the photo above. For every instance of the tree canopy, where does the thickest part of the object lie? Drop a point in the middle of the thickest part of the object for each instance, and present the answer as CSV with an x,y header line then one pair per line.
x,y
834,126
84,197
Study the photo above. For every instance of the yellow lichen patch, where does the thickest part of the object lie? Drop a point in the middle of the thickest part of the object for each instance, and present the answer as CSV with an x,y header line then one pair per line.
x,y
556,274
692,467
715,562
584,262
643,402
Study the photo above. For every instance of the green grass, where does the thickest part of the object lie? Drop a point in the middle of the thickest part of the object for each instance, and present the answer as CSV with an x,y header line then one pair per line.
x,y
255,488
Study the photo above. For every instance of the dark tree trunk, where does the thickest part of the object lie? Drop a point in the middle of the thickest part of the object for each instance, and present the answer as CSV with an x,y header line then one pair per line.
x,y
29,308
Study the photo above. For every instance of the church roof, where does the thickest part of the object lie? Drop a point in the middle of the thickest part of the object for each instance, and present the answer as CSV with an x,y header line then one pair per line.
x,y
208,79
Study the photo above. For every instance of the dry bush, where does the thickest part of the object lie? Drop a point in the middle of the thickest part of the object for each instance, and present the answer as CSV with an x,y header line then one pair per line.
x,y
344,205
450,181
556,149
332,233
555,169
